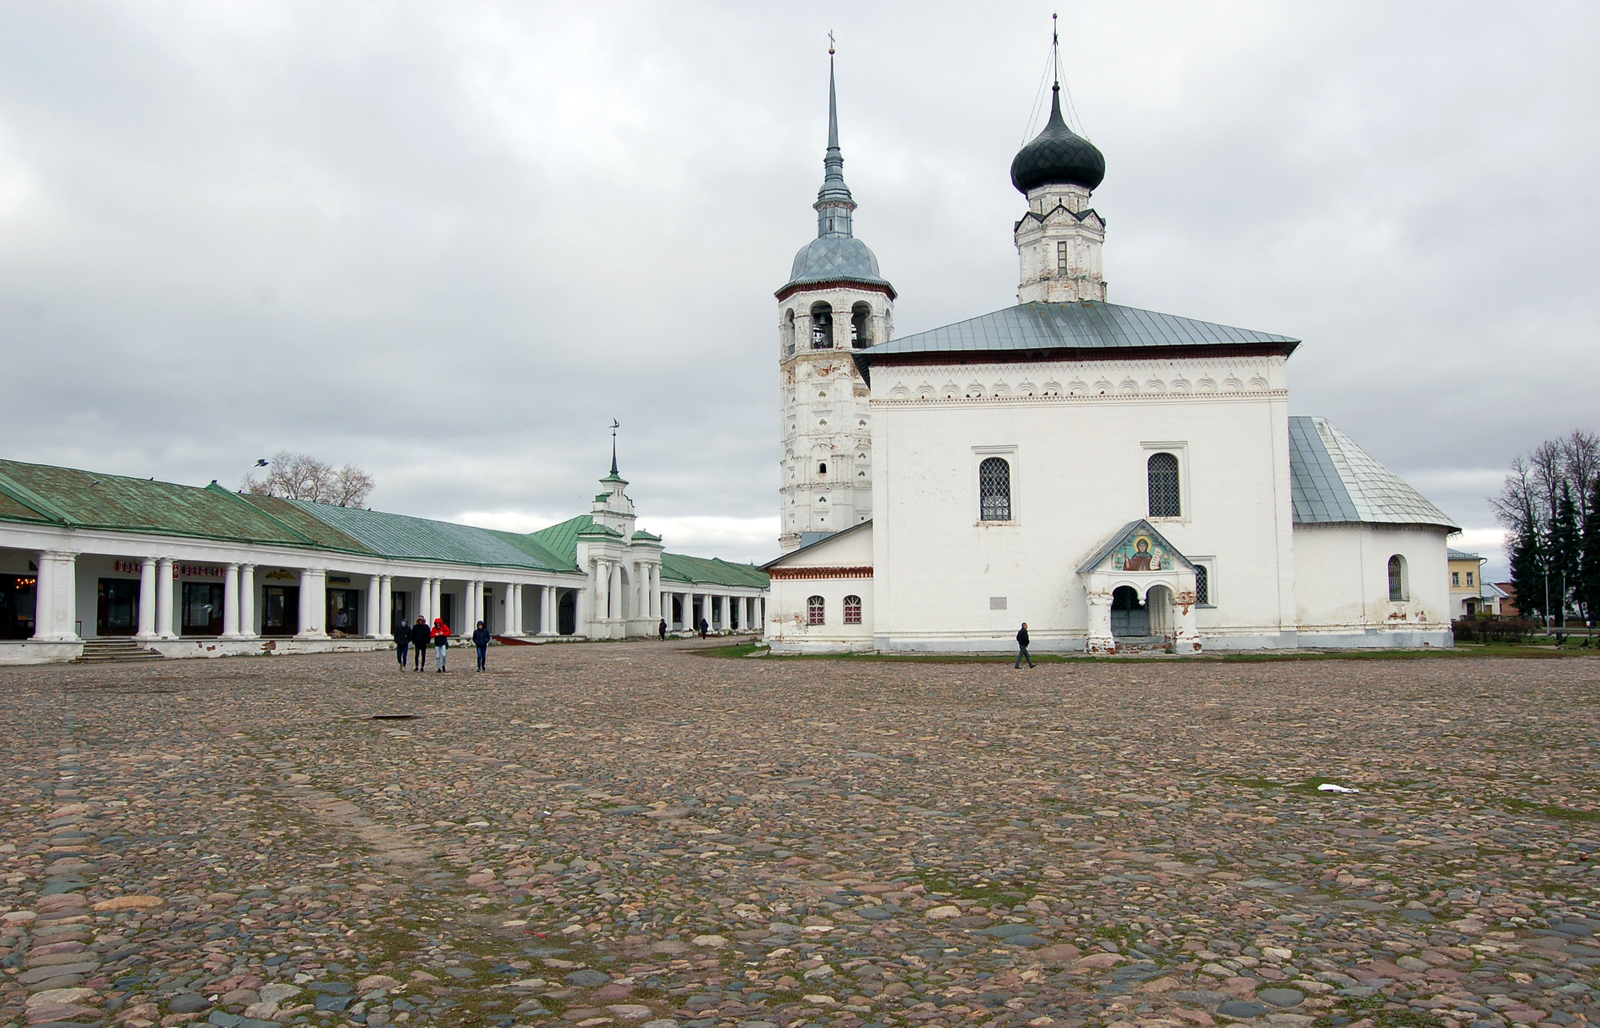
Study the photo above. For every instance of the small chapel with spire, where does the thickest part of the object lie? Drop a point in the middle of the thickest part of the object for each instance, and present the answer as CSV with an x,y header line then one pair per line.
x,y
1118,478
835,303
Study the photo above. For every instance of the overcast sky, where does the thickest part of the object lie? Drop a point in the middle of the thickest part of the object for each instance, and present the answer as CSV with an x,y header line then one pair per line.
x,y
449,242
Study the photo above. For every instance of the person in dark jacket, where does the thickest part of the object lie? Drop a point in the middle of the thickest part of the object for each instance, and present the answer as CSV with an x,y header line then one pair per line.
x,y
420,638
705,626
1022,647
480,639
661,630
441,643
402,640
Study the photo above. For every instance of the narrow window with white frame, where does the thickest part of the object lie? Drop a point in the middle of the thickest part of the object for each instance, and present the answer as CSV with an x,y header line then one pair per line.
x,y
994,489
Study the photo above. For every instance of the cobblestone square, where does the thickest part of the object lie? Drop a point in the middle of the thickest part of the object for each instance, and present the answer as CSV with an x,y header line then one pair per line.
x,y
640,834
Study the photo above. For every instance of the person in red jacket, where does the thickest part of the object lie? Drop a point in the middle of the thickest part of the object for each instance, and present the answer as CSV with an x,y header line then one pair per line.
x,y
441,643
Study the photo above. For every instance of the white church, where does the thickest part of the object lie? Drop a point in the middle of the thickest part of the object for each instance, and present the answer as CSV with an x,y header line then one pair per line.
x,y
1117,478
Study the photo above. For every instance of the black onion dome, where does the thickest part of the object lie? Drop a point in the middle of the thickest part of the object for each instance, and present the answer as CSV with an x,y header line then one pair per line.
x,y
1057,156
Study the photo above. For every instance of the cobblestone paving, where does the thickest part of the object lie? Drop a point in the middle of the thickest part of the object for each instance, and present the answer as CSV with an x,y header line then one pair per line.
x,y
640,835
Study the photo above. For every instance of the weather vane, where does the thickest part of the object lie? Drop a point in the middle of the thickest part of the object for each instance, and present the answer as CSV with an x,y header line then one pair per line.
x,y
830,42
614,426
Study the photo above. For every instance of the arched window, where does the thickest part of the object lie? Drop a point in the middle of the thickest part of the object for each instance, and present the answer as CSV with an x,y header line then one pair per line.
x,y
1397,578
861,326
994,490
821,326
852,610
1162,471
788,331
814,609
822,469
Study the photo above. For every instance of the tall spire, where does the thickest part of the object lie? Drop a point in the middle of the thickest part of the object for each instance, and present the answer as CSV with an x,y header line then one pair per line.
x,y
834,202
614,427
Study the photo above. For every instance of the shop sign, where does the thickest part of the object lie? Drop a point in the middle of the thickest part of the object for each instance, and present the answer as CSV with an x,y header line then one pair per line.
x,y
338,579
281,575
127,567
196,571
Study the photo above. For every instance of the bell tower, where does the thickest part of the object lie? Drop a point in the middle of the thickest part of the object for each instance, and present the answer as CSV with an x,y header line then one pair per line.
x,y
835,301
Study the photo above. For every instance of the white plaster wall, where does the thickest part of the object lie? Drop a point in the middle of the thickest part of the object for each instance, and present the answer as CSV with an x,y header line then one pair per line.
x,y
786,628
1342,586
1081,433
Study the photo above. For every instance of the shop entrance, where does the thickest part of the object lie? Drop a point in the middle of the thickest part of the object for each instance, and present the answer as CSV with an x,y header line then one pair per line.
x,y
399,611
280,609
447,610
567,613
202,608
16,606
118,612
344,611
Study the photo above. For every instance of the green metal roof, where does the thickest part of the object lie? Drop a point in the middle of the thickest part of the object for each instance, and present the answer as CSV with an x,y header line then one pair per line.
x,y
677,567
72,498
397,535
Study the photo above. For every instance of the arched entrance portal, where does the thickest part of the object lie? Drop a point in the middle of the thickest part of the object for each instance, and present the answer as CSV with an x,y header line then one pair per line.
x,y
1158,608
567,613
1130,618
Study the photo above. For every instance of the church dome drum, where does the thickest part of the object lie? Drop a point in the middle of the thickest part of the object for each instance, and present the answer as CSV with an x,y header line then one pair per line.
x,y
835,259
1057,156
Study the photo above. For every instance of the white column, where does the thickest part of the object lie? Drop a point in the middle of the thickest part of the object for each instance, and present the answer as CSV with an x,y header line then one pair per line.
x,y
688,612
147,599
424,600
55,596
655,591
313,604
435,593
303,611
164,598
374,596
385,624
477,602
547,611
247,601
230,602
614,591
515,594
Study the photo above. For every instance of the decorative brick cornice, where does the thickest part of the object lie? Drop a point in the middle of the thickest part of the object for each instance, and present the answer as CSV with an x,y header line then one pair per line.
x,y
856,572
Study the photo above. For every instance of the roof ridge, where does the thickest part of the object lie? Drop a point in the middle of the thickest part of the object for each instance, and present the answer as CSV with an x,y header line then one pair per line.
x,y
28,498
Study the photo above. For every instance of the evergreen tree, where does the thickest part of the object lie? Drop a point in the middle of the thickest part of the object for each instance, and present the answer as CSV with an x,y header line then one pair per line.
x,y
1527,573
1566,554
1589,590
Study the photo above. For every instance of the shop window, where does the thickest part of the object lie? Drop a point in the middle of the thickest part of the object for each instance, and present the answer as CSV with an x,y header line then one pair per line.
x,y
118,607
852,610
202,608
1162,472
814,610
1397,578
994,490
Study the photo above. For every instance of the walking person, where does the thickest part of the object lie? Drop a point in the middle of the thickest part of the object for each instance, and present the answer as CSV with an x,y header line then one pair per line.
x,y
661,630
441,643
705,626
480,639
420,638
1022,648
402,640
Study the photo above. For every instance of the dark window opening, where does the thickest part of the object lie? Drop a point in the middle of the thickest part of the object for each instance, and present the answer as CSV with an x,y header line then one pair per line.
x,y
994,490
1202,586
1162,471
118,612
822,469
202,608
861,326
1397,578
821,327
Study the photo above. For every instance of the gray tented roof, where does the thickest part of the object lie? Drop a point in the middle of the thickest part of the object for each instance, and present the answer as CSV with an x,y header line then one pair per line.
x,y
1087,325
835,259
1334,481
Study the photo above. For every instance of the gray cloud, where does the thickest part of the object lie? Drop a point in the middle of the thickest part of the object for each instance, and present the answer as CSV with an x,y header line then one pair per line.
x,y
449,243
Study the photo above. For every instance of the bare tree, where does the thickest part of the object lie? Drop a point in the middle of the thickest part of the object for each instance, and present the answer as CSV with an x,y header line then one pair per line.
x,y
1580,453
1520,506
299,476
350,486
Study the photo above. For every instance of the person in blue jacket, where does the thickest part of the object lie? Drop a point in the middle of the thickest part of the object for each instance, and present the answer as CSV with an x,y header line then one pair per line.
x,y
480,639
